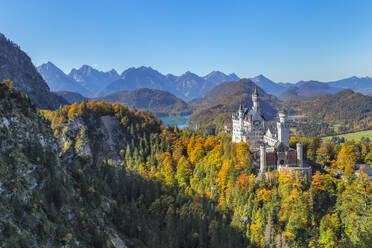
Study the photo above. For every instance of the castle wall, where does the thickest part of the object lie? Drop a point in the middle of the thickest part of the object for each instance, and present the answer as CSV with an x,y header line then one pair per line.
x,y
292,157
271,159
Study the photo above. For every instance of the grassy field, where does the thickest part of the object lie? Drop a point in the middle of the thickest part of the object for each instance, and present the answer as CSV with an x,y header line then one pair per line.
x,y
353,136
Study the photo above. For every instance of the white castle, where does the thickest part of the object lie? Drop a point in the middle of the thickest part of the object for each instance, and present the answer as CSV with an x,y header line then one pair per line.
x,y
271,149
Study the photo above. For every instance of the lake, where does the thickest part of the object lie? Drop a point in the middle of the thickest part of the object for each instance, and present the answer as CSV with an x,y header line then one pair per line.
x,y
181,121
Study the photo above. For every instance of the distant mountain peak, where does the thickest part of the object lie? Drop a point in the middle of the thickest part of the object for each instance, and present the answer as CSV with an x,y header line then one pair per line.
x,y
189,73
49,66
260,77
218,77
268,85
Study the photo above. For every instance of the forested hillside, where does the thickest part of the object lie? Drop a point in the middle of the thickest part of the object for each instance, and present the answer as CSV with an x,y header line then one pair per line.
x,y
333,210
73,189
345,111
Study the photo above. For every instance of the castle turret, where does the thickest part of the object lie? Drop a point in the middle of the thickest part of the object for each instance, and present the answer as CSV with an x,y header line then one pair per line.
x,y
262,158
240,111
300,154
283,129
255,99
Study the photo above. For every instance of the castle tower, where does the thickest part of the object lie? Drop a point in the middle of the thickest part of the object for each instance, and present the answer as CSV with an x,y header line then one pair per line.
x,y
241,111
283,129
255,100
238,125
262,158
300,154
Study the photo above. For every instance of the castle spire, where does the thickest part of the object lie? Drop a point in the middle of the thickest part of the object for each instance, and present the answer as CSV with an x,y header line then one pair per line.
x,y
241,107
255,99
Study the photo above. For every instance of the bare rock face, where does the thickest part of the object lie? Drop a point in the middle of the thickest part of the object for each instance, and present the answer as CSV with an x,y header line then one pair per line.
x,y
94,140
16,66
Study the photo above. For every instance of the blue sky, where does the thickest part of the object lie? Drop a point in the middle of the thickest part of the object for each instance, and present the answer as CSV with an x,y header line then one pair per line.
x,y
286,41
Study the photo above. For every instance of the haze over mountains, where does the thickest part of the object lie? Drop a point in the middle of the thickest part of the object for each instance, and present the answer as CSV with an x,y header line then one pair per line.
x,y
91,82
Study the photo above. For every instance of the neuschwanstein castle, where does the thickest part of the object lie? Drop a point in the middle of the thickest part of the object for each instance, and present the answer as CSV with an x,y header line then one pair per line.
x,y
270,149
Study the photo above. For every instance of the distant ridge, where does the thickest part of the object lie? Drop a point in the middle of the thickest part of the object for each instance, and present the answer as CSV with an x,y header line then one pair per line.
x,y
59,81
308,89
218,77
160,102
92,79
354,83
86,80
91,82
70,97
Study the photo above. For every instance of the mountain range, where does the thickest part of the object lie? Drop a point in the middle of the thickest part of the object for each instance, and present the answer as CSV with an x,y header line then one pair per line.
x,y
86,80
90,82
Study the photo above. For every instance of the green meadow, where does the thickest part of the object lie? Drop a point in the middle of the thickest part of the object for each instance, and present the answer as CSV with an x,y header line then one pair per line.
x,y
353,136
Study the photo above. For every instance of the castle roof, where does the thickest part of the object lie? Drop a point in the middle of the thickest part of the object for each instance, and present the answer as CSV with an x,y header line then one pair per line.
x,y
268,133
241,107
256,115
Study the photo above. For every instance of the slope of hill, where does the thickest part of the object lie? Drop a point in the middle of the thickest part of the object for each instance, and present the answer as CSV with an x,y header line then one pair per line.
x,y
344,105
160,102
268,86
70,97
307,89
92,79
16,66
216,107
59,81
325,115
